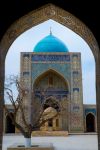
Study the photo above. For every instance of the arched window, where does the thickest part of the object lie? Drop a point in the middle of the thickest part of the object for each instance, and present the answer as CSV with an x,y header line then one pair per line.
x,y
90,123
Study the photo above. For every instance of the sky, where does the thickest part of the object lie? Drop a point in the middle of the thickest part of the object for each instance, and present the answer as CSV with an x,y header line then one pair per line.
x,y
27,41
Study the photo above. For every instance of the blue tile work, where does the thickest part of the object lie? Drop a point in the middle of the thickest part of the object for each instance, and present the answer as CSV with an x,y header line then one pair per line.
x,y
90,110
39,68
57,94
53,92
50,57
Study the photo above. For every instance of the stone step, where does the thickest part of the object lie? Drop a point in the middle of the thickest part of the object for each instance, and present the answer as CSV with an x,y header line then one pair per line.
x,y
50,133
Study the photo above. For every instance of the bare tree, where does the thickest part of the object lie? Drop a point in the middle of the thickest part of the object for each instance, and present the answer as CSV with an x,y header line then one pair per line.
x,y
17,103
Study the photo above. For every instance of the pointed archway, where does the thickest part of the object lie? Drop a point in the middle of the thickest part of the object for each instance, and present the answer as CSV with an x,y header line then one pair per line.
x,y
46,85
49,74
34,18
90,123
52,89
10,127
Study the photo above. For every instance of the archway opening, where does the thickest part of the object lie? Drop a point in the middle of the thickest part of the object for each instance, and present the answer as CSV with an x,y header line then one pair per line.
x,y
51,102
88,58
25,43
90,123
46,85
10,127
81,30
52,90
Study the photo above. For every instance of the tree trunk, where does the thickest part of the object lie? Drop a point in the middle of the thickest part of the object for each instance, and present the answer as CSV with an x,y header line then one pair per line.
x,y
27,142
27,136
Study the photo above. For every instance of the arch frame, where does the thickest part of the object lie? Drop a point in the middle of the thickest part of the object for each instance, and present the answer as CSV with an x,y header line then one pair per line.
x,y
94,121
34,18
64,80
55,72
95,116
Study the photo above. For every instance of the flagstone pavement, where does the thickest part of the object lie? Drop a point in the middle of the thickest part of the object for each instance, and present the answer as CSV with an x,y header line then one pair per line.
x,y
70,142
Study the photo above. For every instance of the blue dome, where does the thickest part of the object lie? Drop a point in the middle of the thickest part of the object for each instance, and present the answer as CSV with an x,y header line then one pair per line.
x,y
50,44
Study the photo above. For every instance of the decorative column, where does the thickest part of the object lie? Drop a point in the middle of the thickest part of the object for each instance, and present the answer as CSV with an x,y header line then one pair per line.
x,y
98,99
1,98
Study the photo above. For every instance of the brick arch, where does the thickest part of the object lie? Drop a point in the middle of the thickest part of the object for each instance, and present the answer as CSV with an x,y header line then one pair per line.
x,y
34,18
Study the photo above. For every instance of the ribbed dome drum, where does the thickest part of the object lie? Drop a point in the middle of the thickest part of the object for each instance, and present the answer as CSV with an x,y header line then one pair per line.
x,y
50,44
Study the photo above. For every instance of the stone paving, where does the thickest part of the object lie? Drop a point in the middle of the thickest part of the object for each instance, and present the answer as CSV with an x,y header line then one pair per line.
x,y
71,142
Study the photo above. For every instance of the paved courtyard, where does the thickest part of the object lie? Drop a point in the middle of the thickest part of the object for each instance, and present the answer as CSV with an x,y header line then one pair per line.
x,y
71,142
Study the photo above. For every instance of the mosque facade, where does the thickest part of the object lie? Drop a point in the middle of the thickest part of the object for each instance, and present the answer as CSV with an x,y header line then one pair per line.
x,y
53,74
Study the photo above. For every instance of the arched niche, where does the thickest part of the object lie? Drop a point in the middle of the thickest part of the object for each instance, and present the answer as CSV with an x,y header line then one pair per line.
x,y
46,85
90,122
50,73
10,127
34,18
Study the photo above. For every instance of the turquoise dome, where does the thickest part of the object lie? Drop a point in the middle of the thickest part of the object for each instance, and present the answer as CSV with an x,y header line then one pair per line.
x,y
50,44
